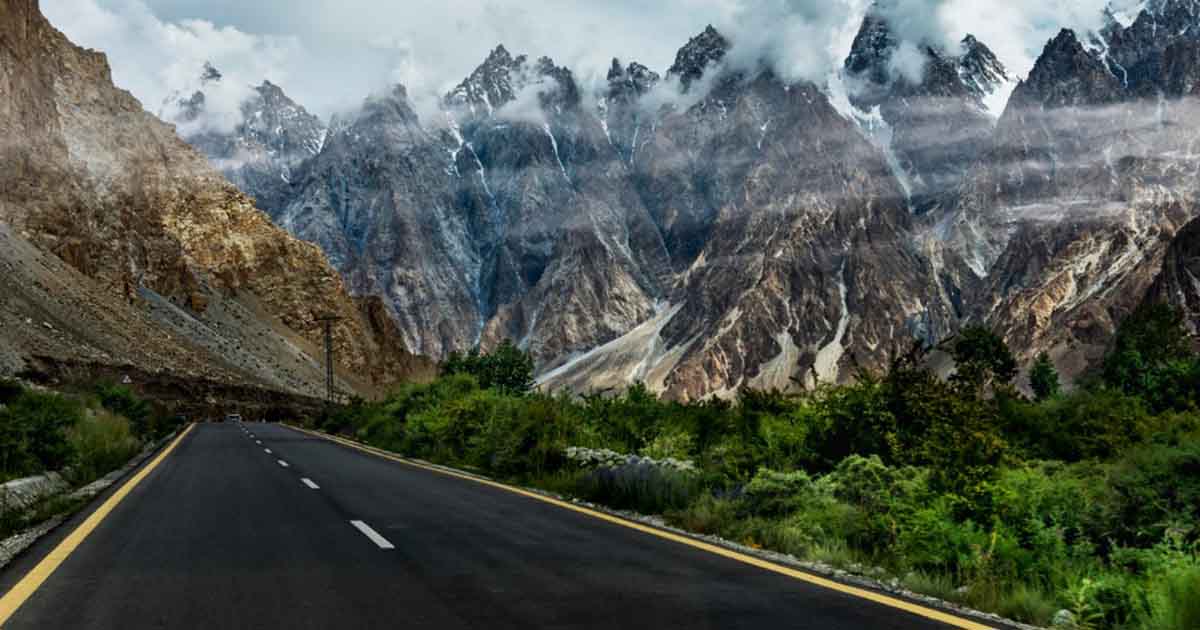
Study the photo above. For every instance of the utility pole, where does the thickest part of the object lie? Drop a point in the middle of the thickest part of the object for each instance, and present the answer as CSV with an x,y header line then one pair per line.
x,y
327,321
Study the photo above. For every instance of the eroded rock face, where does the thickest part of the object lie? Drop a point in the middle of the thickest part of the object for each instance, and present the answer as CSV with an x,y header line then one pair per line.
x,y
88,176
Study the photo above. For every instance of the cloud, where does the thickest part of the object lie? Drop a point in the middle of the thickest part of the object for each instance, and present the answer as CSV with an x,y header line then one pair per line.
x,y
160,61
330,54
798,39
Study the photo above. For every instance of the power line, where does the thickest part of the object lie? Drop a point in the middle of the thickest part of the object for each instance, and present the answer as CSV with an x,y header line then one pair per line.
x,y
328,321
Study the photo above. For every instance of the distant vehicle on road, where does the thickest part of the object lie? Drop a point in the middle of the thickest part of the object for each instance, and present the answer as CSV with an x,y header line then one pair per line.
x,y
233,417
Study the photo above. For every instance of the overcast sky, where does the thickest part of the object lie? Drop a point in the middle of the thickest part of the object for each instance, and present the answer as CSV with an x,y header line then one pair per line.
x,y
328,54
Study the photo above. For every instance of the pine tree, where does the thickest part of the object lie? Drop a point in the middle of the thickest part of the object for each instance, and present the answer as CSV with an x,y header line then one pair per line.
x,y
1043,377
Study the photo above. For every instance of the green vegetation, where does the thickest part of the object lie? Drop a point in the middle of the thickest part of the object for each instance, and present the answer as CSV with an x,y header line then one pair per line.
x,y
1078,505
1043,378
83,436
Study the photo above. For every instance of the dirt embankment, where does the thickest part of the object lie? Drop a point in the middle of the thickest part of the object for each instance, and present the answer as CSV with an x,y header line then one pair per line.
x,y
198,399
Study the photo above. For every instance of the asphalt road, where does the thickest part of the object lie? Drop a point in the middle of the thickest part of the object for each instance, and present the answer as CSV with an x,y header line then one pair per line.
x,y
223,534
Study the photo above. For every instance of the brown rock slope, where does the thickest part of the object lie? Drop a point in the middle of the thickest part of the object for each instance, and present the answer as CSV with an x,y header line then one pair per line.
x,y
167,265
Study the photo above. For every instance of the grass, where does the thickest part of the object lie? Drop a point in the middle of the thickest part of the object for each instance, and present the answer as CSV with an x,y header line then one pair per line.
x,y
102,442
1175,603
937,585
14,521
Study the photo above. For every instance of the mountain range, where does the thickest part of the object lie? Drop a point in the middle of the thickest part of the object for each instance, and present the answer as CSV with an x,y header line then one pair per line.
x,y
717,226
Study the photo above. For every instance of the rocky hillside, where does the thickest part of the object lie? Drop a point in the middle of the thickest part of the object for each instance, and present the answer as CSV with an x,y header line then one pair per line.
x,y
123,245
715,227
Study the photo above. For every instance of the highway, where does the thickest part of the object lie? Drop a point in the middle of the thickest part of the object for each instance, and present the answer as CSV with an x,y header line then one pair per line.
x,y
262,526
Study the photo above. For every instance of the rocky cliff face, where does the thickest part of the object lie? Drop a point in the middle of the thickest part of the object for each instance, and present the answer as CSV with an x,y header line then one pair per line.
x,y
1067,216
1178,283
87,176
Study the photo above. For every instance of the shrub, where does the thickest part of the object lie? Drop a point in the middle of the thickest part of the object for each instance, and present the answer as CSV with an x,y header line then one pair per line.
x,y
1174,600
122,401
773,494
1152,358
1149,491
849,420
102,442
33,434
671,444
525,436
642,487
1095,423
708,515
785,439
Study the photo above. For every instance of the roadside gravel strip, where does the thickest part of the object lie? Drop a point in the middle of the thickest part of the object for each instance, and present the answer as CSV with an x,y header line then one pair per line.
x,y
12,546
853,579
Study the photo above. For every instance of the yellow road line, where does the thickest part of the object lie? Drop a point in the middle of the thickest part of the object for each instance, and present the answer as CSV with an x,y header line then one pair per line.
x,y
33,580
879,598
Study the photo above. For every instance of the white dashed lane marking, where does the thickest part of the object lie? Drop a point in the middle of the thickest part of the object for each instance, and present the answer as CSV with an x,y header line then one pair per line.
x,y
379,541
267,451
309,482
283,463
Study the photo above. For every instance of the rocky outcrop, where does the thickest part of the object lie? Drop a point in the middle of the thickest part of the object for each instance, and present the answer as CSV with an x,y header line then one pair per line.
x,y
147,225
1178,284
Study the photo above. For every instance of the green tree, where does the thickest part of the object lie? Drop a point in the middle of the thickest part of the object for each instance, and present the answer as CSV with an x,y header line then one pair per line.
x,y
507,368
1152,358
982,359
1043,378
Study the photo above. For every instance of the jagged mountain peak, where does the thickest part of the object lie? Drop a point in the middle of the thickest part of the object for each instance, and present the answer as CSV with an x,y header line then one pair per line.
x,y
1138,42
872,49
491,84
981,70
499,80
499,56
209,74
272,136
704,50
635,77
388,108
1067,74
880,73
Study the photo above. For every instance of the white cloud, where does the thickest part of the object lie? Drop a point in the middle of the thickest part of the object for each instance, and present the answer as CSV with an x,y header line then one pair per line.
x,y
329,54
156,60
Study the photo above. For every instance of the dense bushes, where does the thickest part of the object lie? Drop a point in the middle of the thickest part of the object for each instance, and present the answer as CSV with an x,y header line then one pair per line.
x,y
1079,504
86,437
33,432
